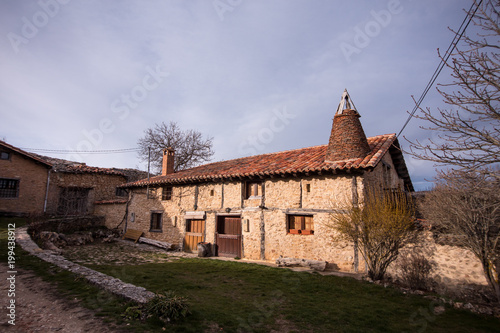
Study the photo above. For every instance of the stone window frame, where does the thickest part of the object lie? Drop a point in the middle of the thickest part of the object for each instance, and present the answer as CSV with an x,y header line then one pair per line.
x,y
253,189
306,224
156,226
9,188
166,192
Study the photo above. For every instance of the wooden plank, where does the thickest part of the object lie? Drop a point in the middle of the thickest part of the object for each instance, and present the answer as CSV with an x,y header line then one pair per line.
x,y
133,234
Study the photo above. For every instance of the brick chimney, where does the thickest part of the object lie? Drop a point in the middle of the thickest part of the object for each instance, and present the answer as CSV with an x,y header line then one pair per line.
x,y
168,161
347,139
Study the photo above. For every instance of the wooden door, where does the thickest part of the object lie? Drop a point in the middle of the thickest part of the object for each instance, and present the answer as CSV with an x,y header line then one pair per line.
x,y
195,233
228,236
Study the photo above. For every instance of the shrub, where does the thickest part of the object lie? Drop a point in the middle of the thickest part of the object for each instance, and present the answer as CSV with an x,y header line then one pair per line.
x,y
167,306
133,313
414,270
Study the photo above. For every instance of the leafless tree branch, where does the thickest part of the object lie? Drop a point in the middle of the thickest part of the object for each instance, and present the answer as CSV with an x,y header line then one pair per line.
x,y
191,149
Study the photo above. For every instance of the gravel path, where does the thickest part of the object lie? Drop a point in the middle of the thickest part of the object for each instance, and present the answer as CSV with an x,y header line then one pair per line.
x,y
39,308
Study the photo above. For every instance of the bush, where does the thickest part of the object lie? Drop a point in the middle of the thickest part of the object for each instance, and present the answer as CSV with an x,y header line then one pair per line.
x,y
414,270
167,306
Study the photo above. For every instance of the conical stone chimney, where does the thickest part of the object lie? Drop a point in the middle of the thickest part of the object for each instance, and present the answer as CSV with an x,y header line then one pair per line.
x,y
347,139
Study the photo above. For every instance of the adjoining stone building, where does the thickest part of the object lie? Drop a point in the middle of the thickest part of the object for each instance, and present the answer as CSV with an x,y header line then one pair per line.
x,y
270,205
32,184
23,181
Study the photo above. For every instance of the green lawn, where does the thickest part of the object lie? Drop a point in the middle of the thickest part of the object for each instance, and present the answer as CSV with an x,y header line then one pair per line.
x,y
227,296
258,298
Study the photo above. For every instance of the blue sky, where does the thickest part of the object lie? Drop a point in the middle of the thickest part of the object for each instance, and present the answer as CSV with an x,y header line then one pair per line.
x,y
258,76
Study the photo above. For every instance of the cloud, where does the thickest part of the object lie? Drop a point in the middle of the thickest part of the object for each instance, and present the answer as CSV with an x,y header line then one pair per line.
x,y
226,77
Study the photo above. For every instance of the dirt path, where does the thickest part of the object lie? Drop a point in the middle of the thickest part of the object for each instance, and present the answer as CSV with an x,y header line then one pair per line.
x,y
40,309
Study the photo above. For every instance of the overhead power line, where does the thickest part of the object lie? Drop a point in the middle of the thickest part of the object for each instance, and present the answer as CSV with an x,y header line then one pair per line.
x,y
103,151
444,60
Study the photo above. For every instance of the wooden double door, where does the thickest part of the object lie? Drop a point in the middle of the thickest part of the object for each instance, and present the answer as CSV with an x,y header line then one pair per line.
x,y
228,236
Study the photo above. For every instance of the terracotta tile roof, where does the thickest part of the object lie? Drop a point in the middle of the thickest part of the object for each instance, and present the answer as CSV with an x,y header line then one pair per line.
x,y
25,154
305,160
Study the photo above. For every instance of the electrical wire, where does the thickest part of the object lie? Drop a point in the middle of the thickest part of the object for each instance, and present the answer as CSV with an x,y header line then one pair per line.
x,y
444,60
60,151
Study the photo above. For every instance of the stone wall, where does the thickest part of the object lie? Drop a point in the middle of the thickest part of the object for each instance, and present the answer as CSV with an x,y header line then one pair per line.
x,y
454,266
266,236
384,174
113,213
32,178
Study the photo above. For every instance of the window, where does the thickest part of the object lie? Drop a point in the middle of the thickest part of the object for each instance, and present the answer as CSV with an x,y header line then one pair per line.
x,y
300,224
253,190
4,155
121,192
156,222
73,201
9,188
308,188
166,193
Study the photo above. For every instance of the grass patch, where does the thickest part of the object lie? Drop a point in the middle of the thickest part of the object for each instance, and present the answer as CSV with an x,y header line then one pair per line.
x,y
258,298
233,295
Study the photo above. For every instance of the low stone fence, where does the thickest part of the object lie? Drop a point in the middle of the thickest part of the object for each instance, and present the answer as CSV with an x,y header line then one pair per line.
x,y
68,224
106,282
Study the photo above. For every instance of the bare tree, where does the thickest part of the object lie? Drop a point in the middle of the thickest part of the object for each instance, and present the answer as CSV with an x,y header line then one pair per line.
x,y
191,149
468,133
381,225
466,204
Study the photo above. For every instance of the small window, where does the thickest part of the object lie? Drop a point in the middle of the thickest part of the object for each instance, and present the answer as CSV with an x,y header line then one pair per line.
x,y
156,222
121,192
166,193
308,188
9,188
4,155
211,193
253,190
300,224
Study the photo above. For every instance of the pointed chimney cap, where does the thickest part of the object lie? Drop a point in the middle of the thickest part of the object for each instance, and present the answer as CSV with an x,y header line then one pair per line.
x,y
347,138
346,103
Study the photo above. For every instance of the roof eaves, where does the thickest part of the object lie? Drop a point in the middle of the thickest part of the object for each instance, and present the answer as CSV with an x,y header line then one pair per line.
x,y
24,153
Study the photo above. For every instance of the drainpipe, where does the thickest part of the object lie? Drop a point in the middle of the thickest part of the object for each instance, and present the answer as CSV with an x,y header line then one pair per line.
x,y
46,192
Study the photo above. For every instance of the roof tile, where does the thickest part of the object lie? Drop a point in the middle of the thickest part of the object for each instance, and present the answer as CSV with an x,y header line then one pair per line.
x,y
302,160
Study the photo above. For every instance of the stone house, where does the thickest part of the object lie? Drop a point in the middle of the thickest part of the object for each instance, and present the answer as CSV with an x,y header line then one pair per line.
x,y
270,205
23,181
32,184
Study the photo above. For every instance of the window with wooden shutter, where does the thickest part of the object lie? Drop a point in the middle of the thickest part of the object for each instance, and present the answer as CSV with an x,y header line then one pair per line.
x,y
253,190
166,193
300,224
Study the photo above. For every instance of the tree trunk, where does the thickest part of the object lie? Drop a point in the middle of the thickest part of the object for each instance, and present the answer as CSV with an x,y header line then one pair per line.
x,y
317,265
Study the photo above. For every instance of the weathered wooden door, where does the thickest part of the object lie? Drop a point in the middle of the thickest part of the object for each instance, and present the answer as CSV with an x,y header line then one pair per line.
x,y
228,236
195,233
